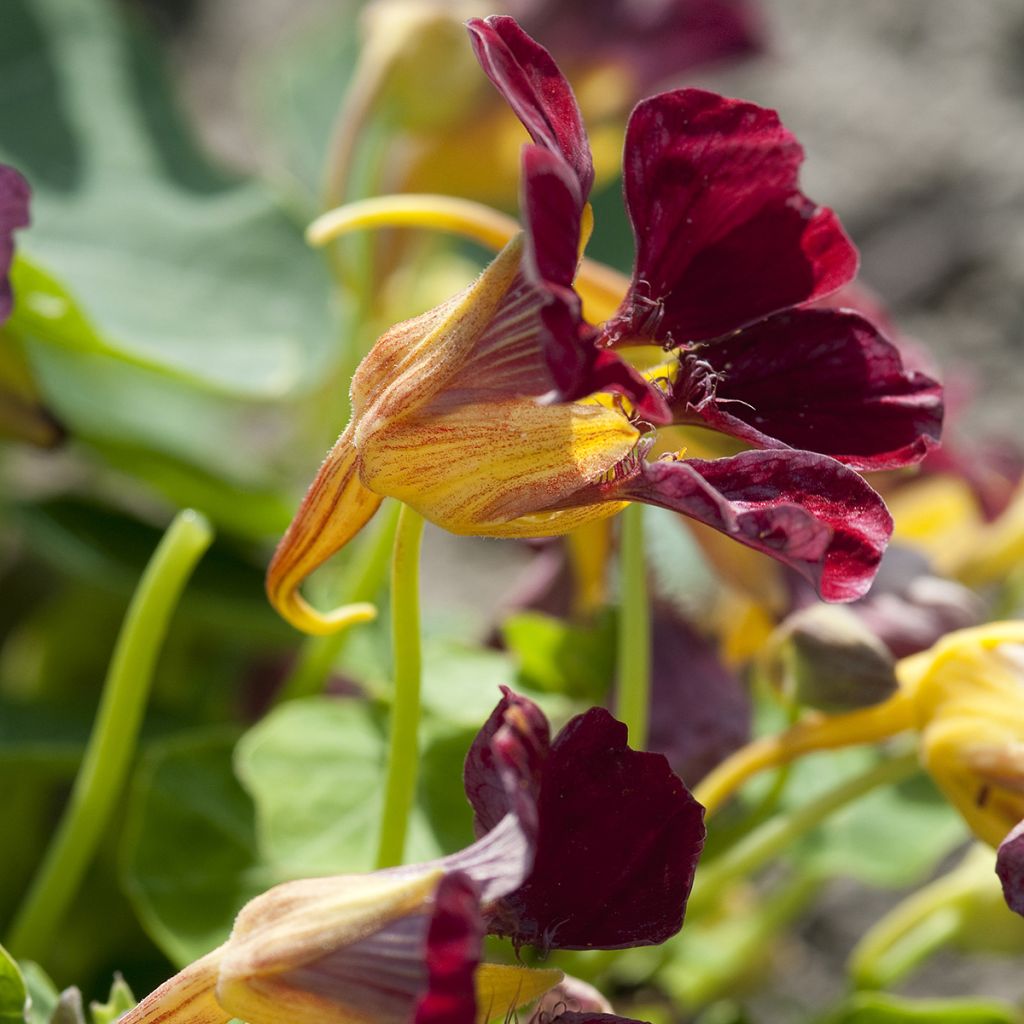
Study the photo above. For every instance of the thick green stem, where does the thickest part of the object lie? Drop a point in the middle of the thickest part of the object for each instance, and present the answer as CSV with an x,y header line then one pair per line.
x,y
634,639
111,746
319,654
403,755
775,836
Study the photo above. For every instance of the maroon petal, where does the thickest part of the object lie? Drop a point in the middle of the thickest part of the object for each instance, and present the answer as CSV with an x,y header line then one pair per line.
x,y
724,236
822,380
1010,868
503,768
618,843
525,74
14,197
806,510
454,940
552,207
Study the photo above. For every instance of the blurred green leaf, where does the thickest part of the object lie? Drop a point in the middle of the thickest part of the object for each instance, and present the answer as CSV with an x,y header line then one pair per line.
x,y
894,836
878,1008
13,993
189,852
178,267
120,1000
560,657
42,993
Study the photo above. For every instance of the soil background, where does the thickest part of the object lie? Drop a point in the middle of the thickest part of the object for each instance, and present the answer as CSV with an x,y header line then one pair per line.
x,y
912,115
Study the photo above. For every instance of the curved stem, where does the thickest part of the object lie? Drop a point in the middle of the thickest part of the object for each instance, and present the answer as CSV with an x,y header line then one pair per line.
x,y
922,923
634,640
112,744
364,578
403,754
815,733
772,838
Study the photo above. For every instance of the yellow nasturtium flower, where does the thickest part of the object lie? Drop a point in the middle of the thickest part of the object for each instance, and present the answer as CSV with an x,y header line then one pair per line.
x,y
964,698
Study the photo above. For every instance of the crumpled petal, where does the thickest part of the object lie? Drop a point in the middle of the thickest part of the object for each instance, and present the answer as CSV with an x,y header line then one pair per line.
x,y
1010,868
724,235
806,510
525,74
14,197
823,380
618,841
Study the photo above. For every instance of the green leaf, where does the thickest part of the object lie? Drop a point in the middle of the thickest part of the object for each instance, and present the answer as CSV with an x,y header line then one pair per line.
x,y
315,771
42,993
892,837
559,657
188,855
120,1000
878,1008
13,993
174,265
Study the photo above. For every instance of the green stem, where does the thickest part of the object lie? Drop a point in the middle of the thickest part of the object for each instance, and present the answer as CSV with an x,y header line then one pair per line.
x,y
634,639
363,580
782,831
403,754
922,923
112,744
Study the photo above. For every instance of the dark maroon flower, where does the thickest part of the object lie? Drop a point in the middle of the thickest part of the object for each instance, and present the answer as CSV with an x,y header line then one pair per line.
x,y
727,246
14,197
617,834
1010,868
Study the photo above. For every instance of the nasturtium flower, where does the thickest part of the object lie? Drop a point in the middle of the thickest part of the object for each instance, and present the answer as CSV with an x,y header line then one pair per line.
x,y
505,412
584,844
14,197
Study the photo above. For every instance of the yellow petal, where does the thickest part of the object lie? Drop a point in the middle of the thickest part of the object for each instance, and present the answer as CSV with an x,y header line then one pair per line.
x,y
335,509
500,990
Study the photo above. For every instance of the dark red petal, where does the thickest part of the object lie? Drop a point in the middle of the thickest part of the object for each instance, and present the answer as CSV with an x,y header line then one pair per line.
x,y
806,510
822,380
525,74
617,848
724,235
552,207
14,197
503,768
454,939
700,709
1010,868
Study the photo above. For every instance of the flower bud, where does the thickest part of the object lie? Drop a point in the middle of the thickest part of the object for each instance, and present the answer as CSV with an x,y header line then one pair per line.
x,y
829,660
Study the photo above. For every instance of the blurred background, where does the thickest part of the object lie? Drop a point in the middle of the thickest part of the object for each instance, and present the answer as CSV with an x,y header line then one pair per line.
x,y
185,351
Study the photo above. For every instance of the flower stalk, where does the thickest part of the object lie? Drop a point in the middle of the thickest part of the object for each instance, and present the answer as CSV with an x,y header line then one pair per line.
x,y
111,746
403,753
633,670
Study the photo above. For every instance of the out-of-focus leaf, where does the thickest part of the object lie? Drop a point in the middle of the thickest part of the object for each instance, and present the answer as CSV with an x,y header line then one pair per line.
x,y
559,657
174,265
891,837
50,737
315,771
300,90
69,1009
879,1008
120,1000
42,993
189,853
13,993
